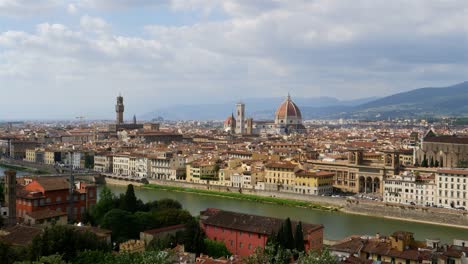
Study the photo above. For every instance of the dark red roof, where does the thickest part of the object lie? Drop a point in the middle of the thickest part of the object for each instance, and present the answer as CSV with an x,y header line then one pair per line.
x,y
250,223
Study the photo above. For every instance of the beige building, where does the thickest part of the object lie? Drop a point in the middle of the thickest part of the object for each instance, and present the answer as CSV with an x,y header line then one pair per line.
x,y
279,176
362,173
103,162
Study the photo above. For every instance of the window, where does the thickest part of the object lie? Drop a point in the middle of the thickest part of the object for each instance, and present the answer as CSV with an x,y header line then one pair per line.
x,y
240,244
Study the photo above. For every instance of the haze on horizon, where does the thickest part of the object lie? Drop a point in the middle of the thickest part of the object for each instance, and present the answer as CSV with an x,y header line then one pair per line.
x,y
61,59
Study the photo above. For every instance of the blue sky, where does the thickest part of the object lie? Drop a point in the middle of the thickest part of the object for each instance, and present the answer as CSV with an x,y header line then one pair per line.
x,y
60,59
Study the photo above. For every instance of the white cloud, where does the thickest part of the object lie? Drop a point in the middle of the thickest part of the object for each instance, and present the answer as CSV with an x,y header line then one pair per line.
x,y
256,48
72,9
94,24
18,8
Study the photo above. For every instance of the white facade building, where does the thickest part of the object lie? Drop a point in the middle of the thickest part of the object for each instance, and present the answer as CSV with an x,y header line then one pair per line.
x,y
452,188
410,188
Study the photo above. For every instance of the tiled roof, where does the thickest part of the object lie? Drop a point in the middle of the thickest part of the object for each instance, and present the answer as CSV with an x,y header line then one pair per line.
x,y
251,223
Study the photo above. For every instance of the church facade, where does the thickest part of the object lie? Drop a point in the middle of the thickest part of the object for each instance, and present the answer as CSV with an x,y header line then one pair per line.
x,y
443,150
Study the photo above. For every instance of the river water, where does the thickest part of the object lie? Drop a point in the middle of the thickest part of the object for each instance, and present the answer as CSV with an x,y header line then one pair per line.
x,y
18,173
337,225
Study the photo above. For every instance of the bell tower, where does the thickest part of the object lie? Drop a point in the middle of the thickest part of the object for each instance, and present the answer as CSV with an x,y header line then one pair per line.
x,y
240,120
119,109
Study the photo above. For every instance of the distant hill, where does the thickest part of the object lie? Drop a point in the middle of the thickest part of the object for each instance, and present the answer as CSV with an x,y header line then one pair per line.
x,y
258,108
422,102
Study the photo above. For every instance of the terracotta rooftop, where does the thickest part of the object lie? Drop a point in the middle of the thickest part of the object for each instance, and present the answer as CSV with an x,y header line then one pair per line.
x,y
20,235
45,214
250,223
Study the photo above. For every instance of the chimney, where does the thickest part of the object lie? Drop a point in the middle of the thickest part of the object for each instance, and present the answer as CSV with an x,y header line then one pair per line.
x,y
10,195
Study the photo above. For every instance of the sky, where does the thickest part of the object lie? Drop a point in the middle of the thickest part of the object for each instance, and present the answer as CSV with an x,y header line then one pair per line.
x,y
62,59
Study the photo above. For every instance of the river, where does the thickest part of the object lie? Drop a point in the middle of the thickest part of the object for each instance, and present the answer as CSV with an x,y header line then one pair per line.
x,y
18,173
337,225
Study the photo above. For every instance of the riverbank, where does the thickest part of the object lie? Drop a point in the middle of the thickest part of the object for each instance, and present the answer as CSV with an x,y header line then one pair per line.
x,y
344,210
433,216
247,197
21,168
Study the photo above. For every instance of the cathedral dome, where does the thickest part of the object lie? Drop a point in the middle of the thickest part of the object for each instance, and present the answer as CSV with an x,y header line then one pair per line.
x,y
229,120
288,110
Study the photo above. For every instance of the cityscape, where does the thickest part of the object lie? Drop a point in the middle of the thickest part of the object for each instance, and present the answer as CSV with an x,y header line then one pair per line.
x,y
268,132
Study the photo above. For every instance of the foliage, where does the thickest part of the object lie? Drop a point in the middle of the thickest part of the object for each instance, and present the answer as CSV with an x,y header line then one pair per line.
x,y
272,254
194,237
424,162
7,253
169,241
216,249
89,161
436,164
64,240
2,193
288,235
462,164
431,164
105,204
129,201
299,238
317,257
99,257
124,225
52,259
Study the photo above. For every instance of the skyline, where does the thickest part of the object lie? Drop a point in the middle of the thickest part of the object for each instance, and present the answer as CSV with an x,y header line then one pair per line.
x,y
76,56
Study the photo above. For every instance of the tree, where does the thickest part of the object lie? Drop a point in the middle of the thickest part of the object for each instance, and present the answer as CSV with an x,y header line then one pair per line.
x,y
123,225
65,241
216,249
288,235
424,162
271,254
129,202
317,257
194,237
2,194
99,257
299,238
436,164
89,161
105,204
431,164
7,253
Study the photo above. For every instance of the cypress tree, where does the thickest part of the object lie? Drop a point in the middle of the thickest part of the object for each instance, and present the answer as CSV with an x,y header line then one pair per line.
x,y
280,236
288,234
299,238
436,164
130,200
424,162
432,162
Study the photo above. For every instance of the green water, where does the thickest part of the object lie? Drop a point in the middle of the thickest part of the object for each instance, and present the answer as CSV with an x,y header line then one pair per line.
x,y
337,225
18,173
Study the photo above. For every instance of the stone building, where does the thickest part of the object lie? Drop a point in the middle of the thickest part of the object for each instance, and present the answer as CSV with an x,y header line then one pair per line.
x,y
445,150
362,172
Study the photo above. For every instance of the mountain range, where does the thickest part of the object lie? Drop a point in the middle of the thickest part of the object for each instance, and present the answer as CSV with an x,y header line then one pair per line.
x,y
423,102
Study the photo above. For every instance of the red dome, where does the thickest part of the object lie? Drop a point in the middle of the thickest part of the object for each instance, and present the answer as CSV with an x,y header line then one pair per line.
x,y
288,109
230,120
